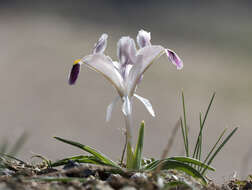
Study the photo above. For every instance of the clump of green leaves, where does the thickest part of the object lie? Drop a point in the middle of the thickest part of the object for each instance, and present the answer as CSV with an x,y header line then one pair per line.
x,y
137,163
197,150
189,164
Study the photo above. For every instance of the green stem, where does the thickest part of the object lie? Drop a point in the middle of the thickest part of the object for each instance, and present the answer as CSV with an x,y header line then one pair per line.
x,y
128,126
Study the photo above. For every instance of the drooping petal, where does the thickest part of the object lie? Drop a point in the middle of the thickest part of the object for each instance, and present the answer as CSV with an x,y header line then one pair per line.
x,y
145,57
174,58
101,45
74,73
104,65
143,38
146,103
126,107
110,108
126,50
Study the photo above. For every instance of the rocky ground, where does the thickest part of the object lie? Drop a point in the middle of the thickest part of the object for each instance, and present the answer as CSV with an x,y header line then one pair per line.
x,y
19,175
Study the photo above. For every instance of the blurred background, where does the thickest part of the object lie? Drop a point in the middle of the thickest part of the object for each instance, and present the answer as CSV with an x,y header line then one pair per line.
x,y
39,40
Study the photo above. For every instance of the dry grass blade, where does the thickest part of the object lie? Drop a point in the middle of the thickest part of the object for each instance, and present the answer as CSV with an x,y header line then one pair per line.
x,y
169,144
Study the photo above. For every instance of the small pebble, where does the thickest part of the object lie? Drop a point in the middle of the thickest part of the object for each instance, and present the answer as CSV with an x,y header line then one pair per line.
x,y
71,164
102,186
6,172
128,188
139,178
87,173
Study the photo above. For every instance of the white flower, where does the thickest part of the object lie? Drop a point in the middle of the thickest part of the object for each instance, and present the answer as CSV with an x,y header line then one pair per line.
x,y
128,71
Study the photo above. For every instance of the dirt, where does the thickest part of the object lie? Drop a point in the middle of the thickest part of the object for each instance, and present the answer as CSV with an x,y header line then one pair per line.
x,y
19,175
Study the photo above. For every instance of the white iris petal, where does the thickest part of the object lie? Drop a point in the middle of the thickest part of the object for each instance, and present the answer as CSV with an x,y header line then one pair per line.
x,y
111,107
146,103
126,74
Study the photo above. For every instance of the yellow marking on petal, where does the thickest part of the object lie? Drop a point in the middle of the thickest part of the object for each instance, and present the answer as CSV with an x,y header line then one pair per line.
x,y
76,61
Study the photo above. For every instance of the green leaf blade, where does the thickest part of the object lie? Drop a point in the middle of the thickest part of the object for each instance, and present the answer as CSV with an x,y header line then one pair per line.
x,y
220,147
90,150
139,148
130,157
79,159
180,166
192,161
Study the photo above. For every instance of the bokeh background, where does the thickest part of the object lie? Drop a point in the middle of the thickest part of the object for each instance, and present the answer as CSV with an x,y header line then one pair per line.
x,y
40,39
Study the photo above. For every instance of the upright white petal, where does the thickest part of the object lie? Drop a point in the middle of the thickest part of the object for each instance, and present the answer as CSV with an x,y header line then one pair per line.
x,y
101,45
104,65
145,57
126,50
110,108
126,107
143,38
146,103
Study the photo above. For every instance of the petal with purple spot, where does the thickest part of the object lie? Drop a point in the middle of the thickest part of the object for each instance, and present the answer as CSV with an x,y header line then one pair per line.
x,y
74,73
101,45
174,58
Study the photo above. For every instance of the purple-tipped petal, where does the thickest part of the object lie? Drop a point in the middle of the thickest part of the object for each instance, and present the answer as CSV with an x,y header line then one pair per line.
x,y
74,73
143,38
174,58
101,45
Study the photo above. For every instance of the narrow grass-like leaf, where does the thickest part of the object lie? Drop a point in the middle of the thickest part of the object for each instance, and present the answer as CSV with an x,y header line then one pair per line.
x,y
79,159
200,142
191,161
183,133
199,151
180,166
220,147
202,125
208,108
210,152
197,145
152,165
90,150
185,125
12,157
139,148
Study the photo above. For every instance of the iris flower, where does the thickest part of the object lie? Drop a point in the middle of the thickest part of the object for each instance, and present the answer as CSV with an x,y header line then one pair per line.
x,y
126,73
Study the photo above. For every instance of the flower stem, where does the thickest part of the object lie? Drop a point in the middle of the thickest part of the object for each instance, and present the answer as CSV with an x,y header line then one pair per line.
x,y
128,124
130,155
